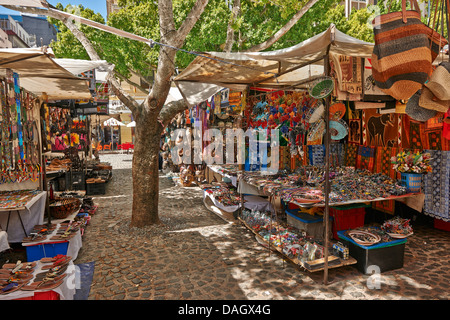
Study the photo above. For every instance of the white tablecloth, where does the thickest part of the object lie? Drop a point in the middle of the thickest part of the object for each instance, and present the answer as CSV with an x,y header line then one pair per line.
x,y
4,245
32,215
218,204
257,203
66,290
217,169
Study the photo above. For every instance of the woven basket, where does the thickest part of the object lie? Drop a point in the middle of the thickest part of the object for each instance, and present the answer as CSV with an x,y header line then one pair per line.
x,y
61,208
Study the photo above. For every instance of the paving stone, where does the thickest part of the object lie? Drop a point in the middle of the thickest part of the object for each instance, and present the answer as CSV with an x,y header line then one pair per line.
x,y
223,261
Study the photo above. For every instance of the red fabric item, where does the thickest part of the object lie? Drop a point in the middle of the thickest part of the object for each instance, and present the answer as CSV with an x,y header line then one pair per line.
x,y
446,129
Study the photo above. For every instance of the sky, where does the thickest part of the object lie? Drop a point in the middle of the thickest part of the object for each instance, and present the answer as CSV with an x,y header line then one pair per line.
x,y
96,5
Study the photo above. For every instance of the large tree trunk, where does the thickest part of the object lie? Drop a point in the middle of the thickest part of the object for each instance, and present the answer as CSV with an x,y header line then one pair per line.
x,y
145,172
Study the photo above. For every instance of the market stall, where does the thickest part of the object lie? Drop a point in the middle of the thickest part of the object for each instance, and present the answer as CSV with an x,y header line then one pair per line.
x,y
32,214
344,142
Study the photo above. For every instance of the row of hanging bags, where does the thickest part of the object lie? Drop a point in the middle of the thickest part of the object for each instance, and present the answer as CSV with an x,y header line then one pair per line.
x,y
404,51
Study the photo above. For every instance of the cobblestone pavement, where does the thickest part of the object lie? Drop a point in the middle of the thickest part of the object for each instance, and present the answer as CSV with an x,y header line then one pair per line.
x,y
197,255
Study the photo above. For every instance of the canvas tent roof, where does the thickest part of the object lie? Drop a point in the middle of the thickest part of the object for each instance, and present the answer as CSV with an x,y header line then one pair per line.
x,y
39,73
285,68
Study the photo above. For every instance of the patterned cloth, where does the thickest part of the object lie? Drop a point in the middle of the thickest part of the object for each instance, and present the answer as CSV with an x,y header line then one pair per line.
x,y
428,135
365,158
351,152
317,155
437,186
383,163
337,154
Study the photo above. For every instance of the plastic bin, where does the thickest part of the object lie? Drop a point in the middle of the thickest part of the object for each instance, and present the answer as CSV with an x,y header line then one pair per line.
x,y
78,181
412,181
46,250
441,225
95,188
45,295
312,225
347,217
382,257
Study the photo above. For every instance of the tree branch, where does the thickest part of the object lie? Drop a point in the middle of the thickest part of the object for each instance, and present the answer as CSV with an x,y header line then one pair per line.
x,y
170,110
190,20
269,42
230,31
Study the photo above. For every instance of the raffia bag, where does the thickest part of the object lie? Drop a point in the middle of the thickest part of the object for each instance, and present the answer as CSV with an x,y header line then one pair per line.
x,y
402,55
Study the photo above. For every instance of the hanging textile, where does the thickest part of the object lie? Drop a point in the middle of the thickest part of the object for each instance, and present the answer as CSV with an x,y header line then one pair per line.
x,y
351,152
383,165
424,135
437,186
354,134
337,155
365,158
316,155
380,129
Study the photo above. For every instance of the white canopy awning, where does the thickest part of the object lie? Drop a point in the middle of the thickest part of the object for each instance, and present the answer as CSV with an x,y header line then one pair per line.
x,y
111,122
285,68
78,66
39,74
25,3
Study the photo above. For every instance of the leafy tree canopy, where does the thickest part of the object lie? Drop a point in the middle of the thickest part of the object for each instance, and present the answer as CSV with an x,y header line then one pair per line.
x,y
258,20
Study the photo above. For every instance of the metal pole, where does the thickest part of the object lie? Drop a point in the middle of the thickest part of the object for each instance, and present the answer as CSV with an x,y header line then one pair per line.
x,y
327,172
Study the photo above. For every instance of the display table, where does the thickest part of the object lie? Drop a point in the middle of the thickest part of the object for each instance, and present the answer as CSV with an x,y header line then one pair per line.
x,y
218,204
50,248
218,170
18,221
66,290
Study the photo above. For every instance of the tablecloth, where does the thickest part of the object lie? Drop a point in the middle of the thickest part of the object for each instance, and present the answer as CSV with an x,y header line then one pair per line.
x,y
66,290
75,243
218,204
4,245
257,203
31,215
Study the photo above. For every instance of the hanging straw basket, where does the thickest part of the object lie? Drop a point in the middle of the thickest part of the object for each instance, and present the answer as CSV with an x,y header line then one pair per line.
x,y
322,88
61,208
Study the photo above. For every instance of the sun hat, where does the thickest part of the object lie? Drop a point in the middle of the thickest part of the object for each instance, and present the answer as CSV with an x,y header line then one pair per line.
x,y
415,111
427,100
439,82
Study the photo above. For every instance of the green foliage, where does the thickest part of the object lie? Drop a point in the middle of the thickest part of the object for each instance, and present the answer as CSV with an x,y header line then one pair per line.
x,y
259,20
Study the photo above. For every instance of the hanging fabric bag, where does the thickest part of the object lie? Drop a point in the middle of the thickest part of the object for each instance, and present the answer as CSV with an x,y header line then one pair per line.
x,y
401,58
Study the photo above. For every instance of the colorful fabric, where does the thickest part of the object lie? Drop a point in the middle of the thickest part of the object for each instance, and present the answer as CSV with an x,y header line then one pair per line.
x,y
380,129
428,135
383,164
365,158
351,152
337,155
387,206
437,186
317,155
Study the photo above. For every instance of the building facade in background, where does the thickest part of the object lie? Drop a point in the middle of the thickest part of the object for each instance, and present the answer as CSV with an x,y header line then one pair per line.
x,y
27,31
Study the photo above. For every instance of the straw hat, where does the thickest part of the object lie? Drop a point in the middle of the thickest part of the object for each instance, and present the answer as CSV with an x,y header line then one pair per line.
x,y
439,82
415,111
427,100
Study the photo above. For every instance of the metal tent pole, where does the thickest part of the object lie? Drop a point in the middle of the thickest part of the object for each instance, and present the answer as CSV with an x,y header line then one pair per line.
x,y
327,165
